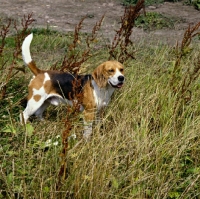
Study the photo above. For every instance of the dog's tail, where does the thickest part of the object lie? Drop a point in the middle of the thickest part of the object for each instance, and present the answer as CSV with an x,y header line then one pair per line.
x,y
27,56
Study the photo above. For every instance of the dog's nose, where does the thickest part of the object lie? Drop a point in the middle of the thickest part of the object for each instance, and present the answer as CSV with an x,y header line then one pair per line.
x,y
121,78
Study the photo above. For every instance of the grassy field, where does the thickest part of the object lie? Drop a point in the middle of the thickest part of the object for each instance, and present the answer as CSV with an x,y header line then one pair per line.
x,y
147,145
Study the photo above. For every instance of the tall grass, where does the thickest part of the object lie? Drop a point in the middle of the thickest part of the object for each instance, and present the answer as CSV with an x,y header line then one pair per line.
x,y
138,153
143,148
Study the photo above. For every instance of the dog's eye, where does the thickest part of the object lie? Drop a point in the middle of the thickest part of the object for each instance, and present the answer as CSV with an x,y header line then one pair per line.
x,y
111,70
121,69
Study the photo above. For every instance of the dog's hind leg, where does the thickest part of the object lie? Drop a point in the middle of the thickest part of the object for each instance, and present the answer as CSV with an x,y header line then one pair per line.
x,y
42,108
32,107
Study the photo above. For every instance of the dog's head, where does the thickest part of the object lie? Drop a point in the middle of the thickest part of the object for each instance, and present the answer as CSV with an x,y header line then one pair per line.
x,y
109,73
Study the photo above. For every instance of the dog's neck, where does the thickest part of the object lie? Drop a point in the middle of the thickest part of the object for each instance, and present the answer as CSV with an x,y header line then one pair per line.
x,y
102,95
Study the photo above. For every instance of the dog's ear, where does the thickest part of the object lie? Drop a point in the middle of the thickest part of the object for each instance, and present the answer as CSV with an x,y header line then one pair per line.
x,y
98,75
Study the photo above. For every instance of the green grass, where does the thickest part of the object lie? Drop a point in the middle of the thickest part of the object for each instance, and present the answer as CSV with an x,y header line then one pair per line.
x,y
195,3
147,2
155,21
143,149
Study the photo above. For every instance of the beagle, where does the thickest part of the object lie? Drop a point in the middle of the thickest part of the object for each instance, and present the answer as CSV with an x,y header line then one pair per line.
x,y
55,87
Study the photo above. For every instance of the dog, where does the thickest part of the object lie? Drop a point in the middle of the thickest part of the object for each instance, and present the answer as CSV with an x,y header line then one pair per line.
x,y
55,87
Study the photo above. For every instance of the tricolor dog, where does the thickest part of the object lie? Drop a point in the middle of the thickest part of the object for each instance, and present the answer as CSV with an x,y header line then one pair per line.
x,y
55,87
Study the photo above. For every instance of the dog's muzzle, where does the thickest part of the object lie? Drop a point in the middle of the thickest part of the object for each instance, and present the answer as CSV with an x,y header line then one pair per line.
x,y
120,82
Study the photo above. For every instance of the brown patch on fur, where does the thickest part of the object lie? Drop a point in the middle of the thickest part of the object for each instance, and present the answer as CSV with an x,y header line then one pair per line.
x,y
35,83
34,68
30,93
37,97
99,77
89,103
48,86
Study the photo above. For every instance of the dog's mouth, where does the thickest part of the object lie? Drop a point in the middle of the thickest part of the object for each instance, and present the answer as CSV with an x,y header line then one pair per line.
x,y
119,85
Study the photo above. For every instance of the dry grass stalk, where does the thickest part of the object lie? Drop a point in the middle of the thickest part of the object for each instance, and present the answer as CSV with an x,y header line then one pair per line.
x,y
72,116
122,37
181,82
26,22
72,63
91,38
75,58
3,33
21,34
183,50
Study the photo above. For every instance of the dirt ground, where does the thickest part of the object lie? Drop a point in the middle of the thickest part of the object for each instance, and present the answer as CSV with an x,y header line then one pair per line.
x,y
63,15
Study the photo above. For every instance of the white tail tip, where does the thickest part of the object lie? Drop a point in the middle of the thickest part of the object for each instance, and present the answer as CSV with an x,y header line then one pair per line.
x,y
26,49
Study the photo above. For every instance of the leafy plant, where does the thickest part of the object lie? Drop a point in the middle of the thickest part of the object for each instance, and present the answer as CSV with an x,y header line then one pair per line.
x,y
195,3
147,2
154,21
129,2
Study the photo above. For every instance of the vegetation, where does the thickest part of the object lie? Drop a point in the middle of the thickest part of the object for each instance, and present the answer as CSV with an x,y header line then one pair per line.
x,y
147,2
153,21
147,145
195,3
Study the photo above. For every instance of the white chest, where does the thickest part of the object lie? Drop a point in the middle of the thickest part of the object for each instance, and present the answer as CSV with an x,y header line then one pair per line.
x,y
102,95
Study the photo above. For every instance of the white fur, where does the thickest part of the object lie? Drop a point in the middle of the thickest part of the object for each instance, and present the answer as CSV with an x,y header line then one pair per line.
x,y
26,49
114,79
102,95
46,78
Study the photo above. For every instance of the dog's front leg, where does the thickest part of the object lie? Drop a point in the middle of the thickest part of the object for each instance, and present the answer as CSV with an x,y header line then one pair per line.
x,y
99,115
89,116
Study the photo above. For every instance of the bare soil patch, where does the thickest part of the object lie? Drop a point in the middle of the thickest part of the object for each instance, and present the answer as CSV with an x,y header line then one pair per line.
x,y
63,15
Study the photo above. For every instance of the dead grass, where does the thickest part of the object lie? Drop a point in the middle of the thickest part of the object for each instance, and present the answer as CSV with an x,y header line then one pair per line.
x,y
141,149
